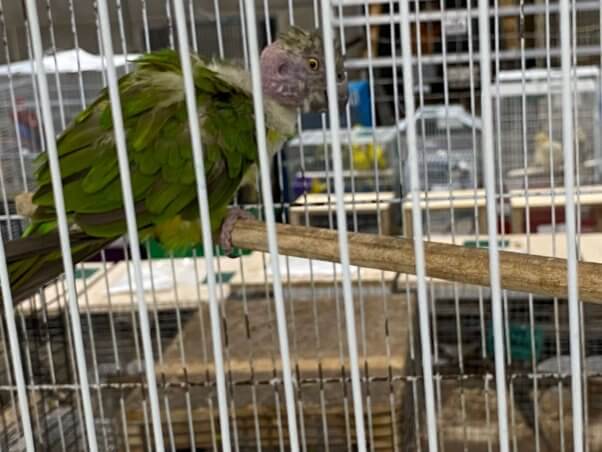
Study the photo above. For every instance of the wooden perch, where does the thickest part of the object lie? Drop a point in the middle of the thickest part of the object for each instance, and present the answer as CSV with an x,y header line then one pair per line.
x,y
519,272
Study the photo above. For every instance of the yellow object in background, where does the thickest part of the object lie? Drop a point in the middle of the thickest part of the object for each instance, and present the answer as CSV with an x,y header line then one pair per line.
x,y
317,186
364,154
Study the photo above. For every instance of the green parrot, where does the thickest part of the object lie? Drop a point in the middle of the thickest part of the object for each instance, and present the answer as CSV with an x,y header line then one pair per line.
x,y
160,153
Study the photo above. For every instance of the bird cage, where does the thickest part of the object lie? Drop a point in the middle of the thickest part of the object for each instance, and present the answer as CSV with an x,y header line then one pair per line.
x,y
16,167
369,158
448,148
75,79
162,34
527,106
448,143
316,336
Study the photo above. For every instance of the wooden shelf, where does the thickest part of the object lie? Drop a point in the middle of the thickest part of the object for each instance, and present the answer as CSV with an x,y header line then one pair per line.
x,y
589,196
444,201
366,205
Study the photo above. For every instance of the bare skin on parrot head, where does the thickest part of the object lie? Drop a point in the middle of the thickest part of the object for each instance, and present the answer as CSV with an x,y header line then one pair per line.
x,y
294,71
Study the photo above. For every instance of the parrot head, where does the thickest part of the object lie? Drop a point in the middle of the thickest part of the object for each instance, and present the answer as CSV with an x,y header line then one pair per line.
x,y
293,71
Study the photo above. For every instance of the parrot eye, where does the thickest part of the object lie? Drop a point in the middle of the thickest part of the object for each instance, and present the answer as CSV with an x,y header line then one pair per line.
x,y
314,64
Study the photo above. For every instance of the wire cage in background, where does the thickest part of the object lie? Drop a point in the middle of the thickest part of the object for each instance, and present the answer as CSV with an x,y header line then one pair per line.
x,y
195,351
449,139
371,178
76,79
538,128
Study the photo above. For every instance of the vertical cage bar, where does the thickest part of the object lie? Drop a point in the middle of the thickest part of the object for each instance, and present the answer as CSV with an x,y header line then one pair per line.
x,y
266,191
132,232
333,111
425,332
571,244
36,43
220,374
15,352
494,270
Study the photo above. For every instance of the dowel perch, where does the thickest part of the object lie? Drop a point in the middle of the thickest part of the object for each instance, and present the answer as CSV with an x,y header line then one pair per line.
x,y
519,272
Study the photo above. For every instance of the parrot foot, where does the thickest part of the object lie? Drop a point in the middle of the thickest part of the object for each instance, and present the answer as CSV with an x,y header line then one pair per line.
x,y
225,237
24,204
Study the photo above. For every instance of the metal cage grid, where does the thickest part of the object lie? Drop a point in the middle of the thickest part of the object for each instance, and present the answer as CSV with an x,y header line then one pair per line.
x,y
269,352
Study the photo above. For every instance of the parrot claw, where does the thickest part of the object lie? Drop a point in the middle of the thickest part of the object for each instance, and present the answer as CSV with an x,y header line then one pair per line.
x,y
225,237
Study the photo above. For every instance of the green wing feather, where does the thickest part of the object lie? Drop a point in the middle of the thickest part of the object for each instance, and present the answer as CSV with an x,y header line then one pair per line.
x,y
159,152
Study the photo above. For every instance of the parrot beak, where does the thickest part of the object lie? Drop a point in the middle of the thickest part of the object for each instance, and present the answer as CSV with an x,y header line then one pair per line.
x,y
318,100
343,95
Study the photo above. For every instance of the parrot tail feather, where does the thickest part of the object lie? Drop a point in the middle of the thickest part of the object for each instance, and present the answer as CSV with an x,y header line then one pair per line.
x,y
36,261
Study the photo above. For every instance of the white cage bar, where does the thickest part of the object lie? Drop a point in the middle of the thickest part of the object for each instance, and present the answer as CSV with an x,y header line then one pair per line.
x,y
204,210
494,270
571,243
57,189
124,171
425,336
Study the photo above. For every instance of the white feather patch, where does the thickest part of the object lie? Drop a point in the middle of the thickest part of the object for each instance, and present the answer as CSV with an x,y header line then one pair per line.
x,y
279,118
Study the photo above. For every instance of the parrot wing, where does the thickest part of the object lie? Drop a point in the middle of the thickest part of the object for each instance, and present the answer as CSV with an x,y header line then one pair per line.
x,y
159,153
